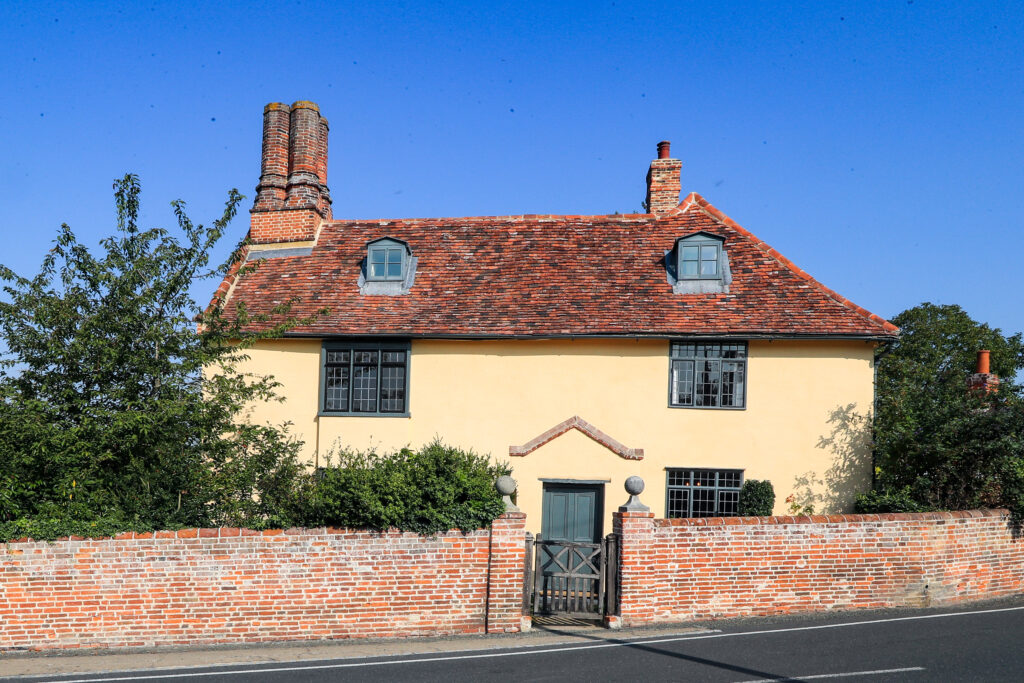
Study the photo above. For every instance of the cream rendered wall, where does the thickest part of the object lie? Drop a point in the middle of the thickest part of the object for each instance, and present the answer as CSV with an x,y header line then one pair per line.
x,y
800,428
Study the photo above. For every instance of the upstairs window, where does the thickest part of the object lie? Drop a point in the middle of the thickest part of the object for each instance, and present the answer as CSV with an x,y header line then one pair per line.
x,y
365,378
387,260
710,374
699,257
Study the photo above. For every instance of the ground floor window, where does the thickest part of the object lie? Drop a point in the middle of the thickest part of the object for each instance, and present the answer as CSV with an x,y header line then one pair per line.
x,y
703,492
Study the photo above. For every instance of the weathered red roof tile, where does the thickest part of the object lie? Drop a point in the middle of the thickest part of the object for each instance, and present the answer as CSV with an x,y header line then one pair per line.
x,y
544,276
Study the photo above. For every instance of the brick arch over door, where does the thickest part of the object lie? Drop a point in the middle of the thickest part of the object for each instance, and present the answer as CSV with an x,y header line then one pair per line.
x,y
579,424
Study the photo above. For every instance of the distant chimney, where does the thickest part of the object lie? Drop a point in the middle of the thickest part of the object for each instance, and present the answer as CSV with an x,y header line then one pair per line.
x,y
663,181
292,196
983,380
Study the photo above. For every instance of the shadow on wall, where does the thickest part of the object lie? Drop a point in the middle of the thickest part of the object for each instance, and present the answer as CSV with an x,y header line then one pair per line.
x,y
849,441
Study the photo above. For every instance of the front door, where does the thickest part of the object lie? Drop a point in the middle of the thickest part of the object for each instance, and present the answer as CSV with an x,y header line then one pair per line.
x,y
569,576
572,512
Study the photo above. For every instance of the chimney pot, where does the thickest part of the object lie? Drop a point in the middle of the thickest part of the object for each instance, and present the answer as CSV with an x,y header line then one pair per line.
x,y
983,362
663,181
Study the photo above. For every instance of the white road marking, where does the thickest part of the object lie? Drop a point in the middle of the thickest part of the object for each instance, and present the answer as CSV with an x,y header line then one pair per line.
x,y
845,674
623,643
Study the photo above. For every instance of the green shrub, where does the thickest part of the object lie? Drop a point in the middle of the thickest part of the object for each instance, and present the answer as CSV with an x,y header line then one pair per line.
x,y
897,500
757,498
430,490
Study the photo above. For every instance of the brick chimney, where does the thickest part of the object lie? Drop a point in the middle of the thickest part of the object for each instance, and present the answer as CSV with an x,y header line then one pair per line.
x,y
983,380
292,196
663,181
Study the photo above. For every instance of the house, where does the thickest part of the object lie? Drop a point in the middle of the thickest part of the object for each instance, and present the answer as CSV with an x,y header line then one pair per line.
x,y
674,345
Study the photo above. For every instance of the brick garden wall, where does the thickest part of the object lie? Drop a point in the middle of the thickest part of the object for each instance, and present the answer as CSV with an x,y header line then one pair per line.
x,y
677,570
204,586
230,585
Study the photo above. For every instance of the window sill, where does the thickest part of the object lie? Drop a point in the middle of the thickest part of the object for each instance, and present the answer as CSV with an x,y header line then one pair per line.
x,y
675,407
332,414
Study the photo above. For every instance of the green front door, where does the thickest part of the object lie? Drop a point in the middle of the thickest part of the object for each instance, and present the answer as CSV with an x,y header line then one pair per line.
x,y
572,512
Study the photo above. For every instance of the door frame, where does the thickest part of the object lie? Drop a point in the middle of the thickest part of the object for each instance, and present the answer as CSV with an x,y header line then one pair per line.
x,y
597,485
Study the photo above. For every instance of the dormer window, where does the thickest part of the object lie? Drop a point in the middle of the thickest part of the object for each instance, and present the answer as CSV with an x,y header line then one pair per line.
x,y
387,260
699,257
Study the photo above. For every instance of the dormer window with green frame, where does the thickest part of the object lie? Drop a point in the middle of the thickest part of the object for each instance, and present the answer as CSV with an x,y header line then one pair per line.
x,y
699,257
387,260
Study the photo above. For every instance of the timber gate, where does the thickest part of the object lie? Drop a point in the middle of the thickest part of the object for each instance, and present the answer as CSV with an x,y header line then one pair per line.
x,y
571,579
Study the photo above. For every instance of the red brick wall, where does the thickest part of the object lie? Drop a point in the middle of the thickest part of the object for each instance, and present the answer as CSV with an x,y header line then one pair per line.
x,y
675,570
296,225
231,585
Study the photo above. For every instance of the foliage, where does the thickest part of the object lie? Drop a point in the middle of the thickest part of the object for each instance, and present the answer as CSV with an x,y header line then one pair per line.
x,y
798,508
938,444
114,409
757,498
430,490
897,500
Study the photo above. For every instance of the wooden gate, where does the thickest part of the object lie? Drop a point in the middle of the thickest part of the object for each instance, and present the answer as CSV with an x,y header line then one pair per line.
x,y
574,579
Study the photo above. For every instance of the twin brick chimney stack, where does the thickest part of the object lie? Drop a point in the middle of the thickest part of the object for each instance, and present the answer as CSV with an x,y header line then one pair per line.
x,y
292,197
663,185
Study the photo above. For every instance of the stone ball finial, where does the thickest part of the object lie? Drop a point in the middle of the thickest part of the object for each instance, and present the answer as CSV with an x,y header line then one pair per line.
x,y
634,485
506,486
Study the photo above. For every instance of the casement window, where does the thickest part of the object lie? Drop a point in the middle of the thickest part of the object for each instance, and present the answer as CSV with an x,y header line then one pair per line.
x,y
364,378
702,493
708,374
387,260
699,257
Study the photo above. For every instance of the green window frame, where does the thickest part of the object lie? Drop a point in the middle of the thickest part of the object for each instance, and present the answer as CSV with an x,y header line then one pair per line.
x,y
699,257
699,492
708,374
386,260
364,379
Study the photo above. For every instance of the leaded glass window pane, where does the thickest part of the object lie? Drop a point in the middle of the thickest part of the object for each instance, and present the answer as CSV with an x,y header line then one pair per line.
x,y
708,374
732,384
392,382
728,503
703,492
682,382
366,380
364,389
708,379
336,388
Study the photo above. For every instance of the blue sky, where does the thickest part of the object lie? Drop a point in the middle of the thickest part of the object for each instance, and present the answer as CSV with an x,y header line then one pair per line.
x,y
878,145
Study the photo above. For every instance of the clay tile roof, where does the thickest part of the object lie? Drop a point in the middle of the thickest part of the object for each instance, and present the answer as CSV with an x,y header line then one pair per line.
x,y
551,276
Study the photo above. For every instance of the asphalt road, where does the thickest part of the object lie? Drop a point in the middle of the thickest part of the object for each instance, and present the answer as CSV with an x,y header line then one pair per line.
x,y
968,644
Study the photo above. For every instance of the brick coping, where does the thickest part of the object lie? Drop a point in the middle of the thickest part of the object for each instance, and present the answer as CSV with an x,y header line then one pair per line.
x,y
235,532
835,519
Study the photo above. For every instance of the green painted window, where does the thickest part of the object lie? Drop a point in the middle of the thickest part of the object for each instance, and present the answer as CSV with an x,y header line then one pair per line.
x,y
702,492
386,260
708,374
699,257
365,378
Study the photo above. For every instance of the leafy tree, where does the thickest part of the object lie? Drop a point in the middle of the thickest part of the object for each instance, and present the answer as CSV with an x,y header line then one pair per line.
x,y
115,411
939,445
